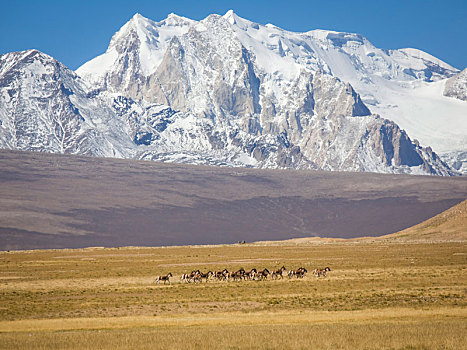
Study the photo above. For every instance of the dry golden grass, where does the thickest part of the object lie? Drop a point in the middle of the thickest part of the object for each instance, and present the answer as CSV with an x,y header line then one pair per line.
x,y
422,334
377,296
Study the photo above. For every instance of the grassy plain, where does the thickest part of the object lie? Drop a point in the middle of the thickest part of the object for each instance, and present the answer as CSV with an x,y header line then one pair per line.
x,y
379,295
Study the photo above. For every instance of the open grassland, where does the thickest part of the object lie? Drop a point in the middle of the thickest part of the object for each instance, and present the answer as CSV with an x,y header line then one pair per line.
x,y
377,296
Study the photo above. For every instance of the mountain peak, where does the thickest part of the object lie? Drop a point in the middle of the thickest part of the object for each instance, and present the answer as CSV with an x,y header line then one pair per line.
x,y
138,28
230,14
137,16
138,21
174,15
235,19
11,59
175,20
32,54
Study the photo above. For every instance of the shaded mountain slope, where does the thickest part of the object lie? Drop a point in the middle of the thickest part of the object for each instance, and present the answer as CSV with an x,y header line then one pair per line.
x,y
58,201
450,225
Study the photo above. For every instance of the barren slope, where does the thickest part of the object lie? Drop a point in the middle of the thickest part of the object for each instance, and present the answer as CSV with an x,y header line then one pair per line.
x,y
56,201
450,225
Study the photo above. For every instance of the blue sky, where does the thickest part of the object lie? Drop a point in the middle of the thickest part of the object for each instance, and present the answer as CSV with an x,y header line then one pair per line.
x,y
76,31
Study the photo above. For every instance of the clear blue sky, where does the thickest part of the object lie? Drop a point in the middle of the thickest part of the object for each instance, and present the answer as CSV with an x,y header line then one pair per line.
x,y
74,31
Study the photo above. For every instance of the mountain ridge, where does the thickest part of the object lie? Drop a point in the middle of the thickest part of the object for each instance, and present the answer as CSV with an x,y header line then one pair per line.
x,y
222,91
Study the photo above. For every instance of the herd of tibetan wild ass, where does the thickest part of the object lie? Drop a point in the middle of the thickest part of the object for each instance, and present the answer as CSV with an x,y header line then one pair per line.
x,y
241,275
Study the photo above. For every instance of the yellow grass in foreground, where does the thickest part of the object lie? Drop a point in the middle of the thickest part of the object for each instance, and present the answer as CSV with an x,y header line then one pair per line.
x,y
391,315
388,329
377,296
431,332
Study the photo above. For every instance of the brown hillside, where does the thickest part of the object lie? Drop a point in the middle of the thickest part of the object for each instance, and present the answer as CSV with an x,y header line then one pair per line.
x,y
450,225
68,201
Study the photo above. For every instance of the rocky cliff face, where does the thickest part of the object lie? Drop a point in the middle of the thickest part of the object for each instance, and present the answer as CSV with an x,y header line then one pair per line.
x,y
40,109
134,53
200,92
457,86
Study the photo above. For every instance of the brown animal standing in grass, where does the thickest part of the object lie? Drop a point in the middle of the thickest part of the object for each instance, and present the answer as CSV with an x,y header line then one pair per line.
x,y
321,272
194,276
165,278
262,275
278,273
251,274
221,275
299,273
238,275
206,275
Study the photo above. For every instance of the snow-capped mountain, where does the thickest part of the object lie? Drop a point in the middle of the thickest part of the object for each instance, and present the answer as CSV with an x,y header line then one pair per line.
x,y
405,86
134,53
44,107
228,91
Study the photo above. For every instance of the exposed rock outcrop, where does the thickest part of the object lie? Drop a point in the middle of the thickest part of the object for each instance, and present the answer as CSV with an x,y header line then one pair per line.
x,y
457,86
